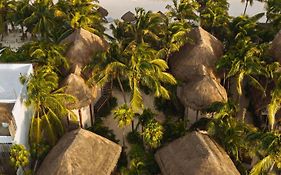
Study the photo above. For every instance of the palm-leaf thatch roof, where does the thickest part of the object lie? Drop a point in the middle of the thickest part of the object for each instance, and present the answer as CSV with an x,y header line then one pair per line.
x,y
204,49
6,112
201,93
83,45
275,47
81,152
102,11
76,86
128,17
194,154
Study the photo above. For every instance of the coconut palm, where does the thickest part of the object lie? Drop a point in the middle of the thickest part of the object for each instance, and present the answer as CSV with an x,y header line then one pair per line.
x,y
245,63
7,7
48,103
183,10
45,53
214,17
152,133
268,146
140,66
81,14
41,21
144,30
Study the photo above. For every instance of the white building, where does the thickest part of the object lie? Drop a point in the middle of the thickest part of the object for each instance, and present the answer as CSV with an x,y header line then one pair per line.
x,y
15,117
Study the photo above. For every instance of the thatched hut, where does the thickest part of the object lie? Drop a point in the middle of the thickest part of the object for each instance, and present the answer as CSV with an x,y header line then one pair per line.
x,y
128,17
81,152
204,49
83,45
85,96
275,47
195,153
102,11
201,93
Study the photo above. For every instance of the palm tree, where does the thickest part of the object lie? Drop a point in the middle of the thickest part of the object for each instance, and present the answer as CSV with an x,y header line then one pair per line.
x,y
185,10
268,146
81,14
23,9
140,66
152,133
144,30
214,18
247,2
45,53
48,103
41,21
7,7
245,63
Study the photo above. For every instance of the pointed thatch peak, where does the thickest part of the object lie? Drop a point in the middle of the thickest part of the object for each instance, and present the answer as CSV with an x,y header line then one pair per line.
x,y
201,93
76,86
194,153
204,49
102,11
275,47
81,152
128,17
83,45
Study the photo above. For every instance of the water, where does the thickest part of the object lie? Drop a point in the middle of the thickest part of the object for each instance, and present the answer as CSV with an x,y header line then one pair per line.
x,y
117,8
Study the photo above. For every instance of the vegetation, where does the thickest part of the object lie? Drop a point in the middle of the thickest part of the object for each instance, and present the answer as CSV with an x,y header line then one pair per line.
x,y
137,60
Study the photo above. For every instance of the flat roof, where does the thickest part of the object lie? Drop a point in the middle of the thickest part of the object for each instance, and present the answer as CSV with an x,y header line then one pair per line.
x,y
10,86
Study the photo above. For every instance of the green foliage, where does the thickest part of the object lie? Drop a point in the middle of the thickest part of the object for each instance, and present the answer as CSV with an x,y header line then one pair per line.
x,y
102,130
48,103
19,156
214,17
152,133
173,129
124,115
107,108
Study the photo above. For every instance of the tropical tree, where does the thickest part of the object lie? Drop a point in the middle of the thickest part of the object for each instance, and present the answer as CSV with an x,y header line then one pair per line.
x,y
41,21
81,14
247,2
46,53
140,66
184,10
7,7
268,148
214,17
144,30
19,156
48,103
152,133
275,102
273,13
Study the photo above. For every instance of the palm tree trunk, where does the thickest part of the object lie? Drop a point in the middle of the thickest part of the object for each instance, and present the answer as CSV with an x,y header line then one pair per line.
x,y
246,6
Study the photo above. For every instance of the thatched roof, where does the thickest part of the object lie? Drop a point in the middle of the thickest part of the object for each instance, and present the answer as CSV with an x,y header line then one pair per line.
x,y
6,112
102,11
128,17
275,48
81,152
201,93
204,49
82,47
76,86
194,154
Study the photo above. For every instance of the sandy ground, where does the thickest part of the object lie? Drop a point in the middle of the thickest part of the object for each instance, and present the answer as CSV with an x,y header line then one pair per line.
x,y
13,40
110,122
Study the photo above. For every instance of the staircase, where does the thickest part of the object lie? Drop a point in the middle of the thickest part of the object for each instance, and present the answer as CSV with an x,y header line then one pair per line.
x,y
106,93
